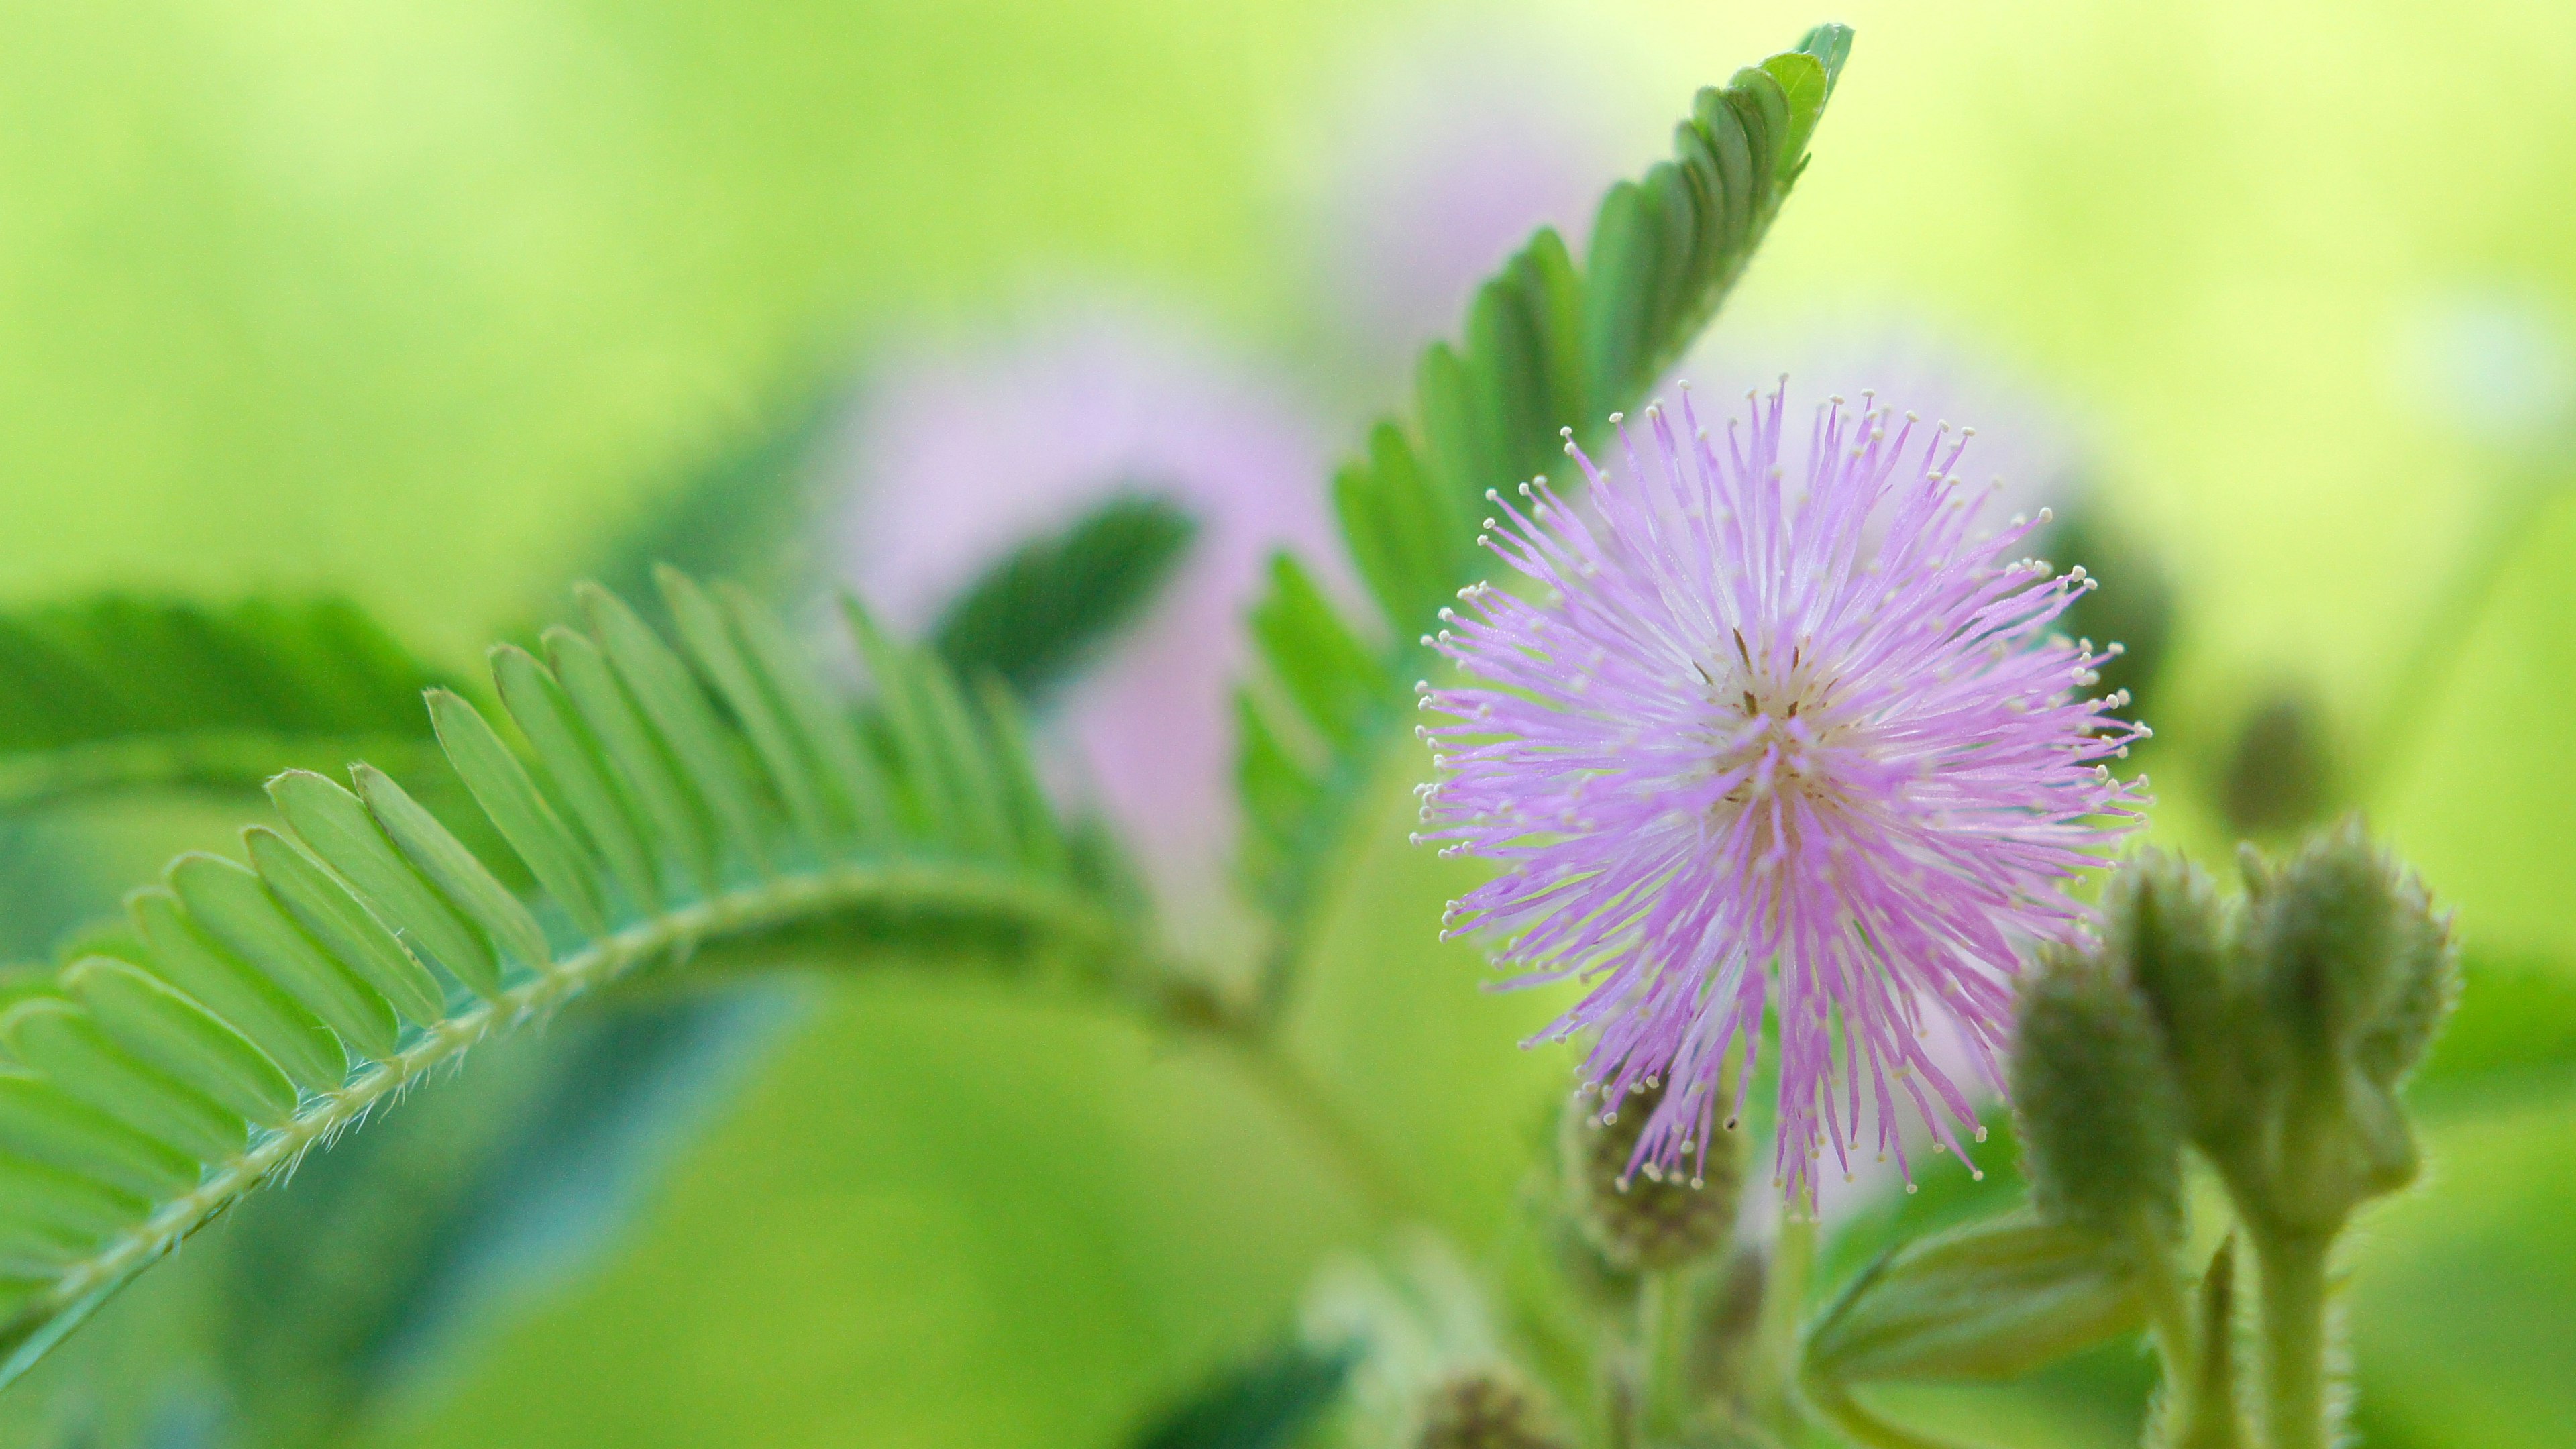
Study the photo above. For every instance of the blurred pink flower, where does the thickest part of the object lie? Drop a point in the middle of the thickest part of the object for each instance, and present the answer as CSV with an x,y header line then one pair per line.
x,y
965,453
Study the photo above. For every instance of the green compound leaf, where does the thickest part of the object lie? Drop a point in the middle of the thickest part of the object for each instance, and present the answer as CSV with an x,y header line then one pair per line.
x,y
1549,345
121,693
1039,614
669,798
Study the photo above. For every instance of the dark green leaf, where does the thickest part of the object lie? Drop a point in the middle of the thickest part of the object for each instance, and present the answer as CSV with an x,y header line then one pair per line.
x,y
120,693
1039,615
1262,1403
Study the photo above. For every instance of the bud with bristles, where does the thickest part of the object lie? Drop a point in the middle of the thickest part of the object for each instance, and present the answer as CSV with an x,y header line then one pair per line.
x,y
2323,936
1486,1409
2100,1117
2168,933
1643,1219
2426,964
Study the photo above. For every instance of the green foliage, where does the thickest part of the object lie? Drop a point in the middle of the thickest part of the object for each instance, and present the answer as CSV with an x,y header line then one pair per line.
x,y
122,693
744,510
260,1009
1264,1402
1548,346
1987,1301
1032,618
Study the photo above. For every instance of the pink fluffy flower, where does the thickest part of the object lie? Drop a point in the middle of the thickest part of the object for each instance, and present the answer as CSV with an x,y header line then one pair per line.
x,y
1754,731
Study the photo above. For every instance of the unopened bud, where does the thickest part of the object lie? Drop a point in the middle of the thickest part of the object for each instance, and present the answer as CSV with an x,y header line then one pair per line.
x,y
1643,1221
2100,1117
2426,965
2322,935
1486,1409
2280,776
2168,933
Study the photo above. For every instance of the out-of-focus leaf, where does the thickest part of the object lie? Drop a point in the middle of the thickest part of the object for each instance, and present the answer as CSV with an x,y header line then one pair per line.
x,y
1037,616
120,693
2515,1023
1261,1403
1988,1301
744,510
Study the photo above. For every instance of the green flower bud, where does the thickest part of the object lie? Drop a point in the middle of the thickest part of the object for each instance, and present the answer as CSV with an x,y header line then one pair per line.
x,y
1644,1221
2323,936
2168,933
2100,1118
2426,967
2355,970
2280,777
1486,1409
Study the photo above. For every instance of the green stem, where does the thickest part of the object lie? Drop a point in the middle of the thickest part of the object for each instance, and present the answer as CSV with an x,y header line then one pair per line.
x,y
1663,1348
2169,1321
1294,1090
1776,1352
781,901
2293,1272
2446,620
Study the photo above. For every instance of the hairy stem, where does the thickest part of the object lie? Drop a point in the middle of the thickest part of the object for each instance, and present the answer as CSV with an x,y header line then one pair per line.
x,y
1776,1349
2169,1321
2292,1268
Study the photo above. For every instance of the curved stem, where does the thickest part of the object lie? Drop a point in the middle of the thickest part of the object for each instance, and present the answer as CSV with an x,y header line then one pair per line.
x,y
1295,1090
2447,618
239,758
1865,1428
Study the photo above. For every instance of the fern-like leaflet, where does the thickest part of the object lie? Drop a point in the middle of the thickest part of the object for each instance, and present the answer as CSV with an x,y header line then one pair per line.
x,y
1547,347
669,799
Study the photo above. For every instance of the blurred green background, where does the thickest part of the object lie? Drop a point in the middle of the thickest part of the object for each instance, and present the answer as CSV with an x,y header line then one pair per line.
x,y
431,303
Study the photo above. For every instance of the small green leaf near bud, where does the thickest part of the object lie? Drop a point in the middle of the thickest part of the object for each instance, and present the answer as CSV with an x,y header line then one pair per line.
x,y
1486,1409
2100,1118
1641,1221
1989,1301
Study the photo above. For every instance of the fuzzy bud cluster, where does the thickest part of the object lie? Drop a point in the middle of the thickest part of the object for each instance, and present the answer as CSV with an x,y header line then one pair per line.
x,y
2271,1033
1485,1410
2099,1113
1641,1218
